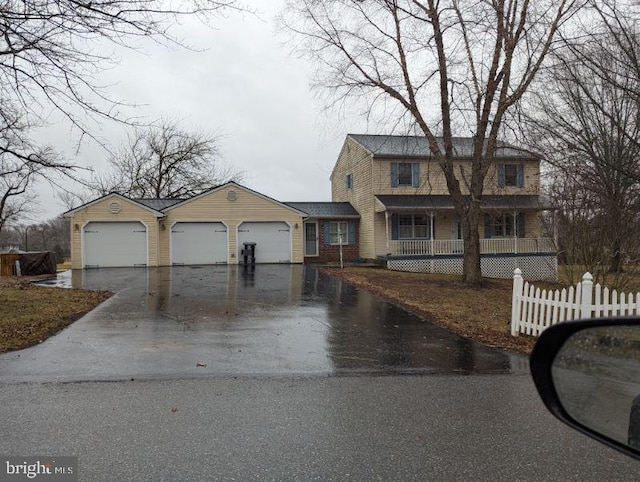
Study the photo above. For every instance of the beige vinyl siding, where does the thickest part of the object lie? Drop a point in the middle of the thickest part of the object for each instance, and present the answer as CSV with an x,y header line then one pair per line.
x,y
356,160
533,225
99,212
433,182
381,235
248,206
444,225
531,179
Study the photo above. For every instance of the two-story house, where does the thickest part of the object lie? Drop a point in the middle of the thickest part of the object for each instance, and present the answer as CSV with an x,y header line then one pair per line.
x,y
407,217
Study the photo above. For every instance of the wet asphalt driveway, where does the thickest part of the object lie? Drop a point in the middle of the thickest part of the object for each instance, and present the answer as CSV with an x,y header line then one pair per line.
x,y
276,320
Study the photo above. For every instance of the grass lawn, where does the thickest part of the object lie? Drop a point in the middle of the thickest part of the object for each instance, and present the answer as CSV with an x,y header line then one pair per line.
x,y
482,314
30,314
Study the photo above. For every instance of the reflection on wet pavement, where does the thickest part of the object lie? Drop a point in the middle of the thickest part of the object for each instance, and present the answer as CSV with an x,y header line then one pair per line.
x,y
231,320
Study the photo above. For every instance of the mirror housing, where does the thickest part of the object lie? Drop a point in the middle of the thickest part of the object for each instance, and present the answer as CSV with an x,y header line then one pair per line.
x,y
588,376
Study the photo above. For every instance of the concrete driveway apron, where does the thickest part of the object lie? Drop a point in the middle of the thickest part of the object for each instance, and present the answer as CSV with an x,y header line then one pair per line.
x,y
270,320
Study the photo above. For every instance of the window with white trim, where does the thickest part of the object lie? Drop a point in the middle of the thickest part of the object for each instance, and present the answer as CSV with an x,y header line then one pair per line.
x,y
510,175
502,226
412,226
337,230
405,174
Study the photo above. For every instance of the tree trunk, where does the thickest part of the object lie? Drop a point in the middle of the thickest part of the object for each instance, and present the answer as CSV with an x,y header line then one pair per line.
x,y
471,272
616,258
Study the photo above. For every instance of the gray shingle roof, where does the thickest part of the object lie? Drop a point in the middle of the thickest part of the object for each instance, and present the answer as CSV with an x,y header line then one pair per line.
x,y
158,204
325,209
417,146
412,202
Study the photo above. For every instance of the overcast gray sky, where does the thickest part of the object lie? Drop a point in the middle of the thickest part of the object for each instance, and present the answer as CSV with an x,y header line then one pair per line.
x,y
246,87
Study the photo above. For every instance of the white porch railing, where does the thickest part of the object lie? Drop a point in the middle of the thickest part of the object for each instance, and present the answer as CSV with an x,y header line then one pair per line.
x,y
414,247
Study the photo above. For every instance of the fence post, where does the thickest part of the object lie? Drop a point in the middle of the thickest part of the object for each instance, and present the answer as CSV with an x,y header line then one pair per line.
x,y
586,305
516,297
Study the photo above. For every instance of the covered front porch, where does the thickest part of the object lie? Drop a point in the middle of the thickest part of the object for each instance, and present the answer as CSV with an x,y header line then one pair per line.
x,y
423,233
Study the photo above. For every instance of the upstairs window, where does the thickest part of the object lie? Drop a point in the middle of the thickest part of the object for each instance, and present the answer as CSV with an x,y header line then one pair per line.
x,y
405,174
349,181
510,175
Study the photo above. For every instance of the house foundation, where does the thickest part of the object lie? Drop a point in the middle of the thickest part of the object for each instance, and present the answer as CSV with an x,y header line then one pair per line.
x,y
534,267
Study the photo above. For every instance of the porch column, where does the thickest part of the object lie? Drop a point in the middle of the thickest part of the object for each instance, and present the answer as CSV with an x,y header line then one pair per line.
x,y
386,229
515,232
431,232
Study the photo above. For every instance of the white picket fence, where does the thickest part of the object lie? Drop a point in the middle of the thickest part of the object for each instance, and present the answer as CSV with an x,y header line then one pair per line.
x,y
533,310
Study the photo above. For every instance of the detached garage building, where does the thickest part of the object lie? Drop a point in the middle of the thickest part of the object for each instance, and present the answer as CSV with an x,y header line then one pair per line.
x,y
210,228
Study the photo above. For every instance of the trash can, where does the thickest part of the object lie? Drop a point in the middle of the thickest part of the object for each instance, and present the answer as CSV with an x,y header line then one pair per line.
x,y
249,252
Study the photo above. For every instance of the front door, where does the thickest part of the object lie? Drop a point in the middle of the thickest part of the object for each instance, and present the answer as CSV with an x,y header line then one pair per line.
x,y
311,239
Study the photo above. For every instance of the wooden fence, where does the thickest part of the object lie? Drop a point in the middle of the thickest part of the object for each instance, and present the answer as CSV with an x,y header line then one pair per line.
x,y
533,310
8,264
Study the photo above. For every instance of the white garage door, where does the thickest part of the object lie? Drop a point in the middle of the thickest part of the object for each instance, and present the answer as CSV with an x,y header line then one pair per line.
x,y
198,243
273,241
115,244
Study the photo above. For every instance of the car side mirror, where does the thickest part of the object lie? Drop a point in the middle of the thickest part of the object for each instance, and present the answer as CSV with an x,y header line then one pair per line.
x,y
588,375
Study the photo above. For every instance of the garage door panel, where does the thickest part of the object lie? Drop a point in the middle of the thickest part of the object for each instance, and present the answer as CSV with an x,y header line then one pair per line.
x,y
115,244
198,243
273,240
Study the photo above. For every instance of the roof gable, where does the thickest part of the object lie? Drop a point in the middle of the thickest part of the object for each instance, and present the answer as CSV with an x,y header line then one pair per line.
x,y
156,212
237,186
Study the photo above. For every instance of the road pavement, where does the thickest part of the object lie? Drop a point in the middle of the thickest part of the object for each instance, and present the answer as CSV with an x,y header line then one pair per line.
x,y
306,378
427,427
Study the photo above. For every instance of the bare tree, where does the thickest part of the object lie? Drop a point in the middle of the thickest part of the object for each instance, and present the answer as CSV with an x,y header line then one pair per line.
x,y
21,163
615,22
586,121
165,161
51,50
72,199
608,49
476,57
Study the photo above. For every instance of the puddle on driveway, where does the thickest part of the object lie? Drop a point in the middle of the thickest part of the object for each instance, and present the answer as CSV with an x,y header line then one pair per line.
x,y
270,320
